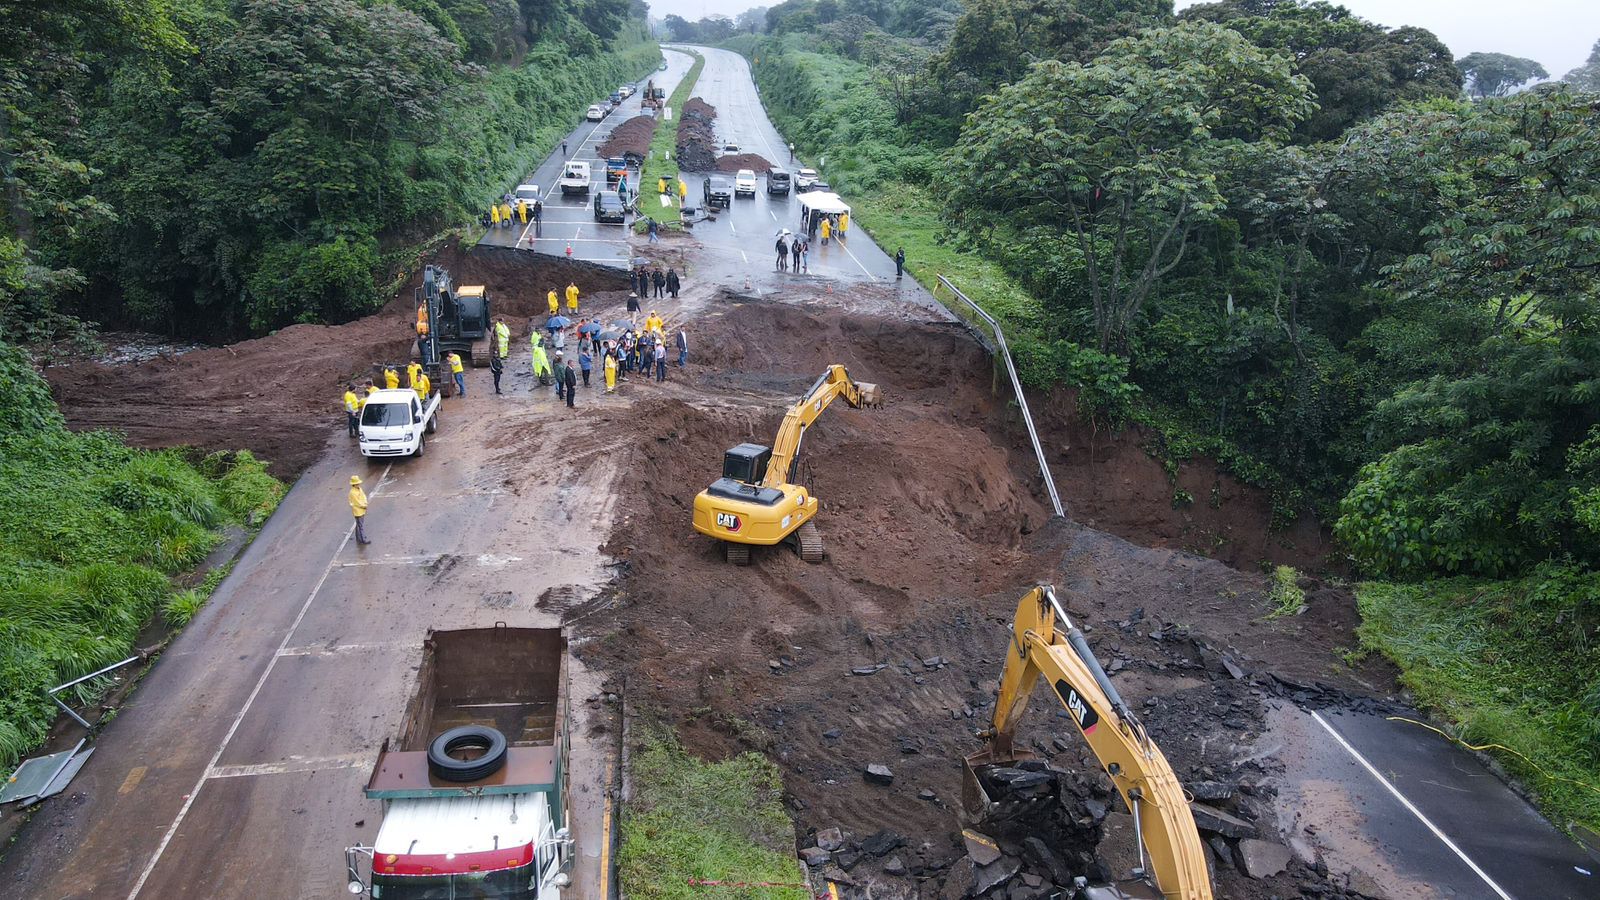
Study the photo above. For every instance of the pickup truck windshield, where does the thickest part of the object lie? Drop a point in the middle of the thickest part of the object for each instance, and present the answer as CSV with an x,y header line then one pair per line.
x,y
380,414
512,884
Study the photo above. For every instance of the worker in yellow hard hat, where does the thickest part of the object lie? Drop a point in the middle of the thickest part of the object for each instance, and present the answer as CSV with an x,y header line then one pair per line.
x,y
572,298
358,507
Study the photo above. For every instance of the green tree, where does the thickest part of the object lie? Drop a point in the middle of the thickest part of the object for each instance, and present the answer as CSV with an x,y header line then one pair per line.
x,y
1587,76
1488,469
1356,67
1497,74
1123,163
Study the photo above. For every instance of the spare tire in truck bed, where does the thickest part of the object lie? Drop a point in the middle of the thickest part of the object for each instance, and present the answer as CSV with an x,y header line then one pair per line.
x,y
448,768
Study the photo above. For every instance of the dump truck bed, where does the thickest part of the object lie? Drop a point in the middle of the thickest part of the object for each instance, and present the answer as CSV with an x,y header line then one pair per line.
x,y
510,679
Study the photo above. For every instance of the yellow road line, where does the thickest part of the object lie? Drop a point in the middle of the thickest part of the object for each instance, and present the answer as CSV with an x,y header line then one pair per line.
x,y
605,838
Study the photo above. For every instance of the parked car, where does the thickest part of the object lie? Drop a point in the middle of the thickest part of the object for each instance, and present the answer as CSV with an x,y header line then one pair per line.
x,y
608,207
778,182
528,192
626,90
745,182
730,148
616,98
595,113
719,191
805,178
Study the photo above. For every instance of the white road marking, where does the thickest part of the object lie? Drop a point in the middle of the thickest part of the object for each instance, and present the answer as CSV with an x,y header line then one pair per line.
x,y
858,262
336,649
1500,892
272,663
322,764
745,258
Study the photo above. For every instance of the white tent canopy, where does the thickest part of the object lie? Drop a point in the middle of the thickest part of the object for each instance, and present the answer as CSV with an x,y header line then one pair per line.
x,y
823,202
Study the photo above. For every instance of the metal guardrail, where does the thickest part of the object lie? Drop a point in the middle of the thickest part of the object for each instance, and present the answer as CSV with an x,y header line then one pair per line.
x,y
1004,353
61,687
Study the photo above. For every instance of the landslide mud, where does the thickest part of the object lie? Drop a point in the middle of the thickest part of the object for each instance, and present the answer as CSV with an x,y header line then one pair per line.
x,y
887,652
279,396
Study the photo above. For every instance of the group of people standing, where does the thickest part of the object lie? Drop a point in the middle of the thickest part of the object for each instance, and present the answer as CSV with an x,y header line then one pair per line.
x,y
795,251
652,282
515,210
355,400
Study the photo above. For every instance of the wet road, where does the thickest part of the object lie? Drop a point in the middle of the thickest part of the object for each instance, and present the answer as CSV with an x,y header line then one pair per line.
x,y
236,768
569,220
1407,815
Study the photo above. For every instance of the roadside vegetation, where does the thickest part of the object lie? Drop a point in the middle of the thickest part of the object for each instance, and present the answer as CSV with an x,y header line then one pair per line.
x,y
661,161
257,163
1354,270
695,821
95,533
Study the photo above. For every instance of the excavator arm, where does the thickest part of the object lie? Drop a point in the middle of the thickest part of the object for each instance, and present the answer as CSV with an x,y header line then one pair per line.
x,y
1045,644
834,383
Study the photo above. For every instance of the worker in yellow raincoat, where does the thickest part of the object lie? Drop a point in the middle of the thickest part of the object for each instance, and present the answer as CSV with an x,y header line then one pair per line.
x,y
494,214
555,305
358,508
502,337
611,371
391,378
352,410
572,299
541,363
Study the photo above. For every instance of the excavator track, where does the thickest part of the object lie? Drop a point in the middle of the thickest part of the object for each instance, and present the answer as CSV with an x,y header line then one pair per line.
x,y
808,540
738,554
480,355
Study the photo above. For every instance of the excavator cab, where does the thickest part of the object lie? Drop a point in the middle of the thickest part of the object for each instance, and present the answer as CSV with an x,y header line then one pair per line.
x,y
746,463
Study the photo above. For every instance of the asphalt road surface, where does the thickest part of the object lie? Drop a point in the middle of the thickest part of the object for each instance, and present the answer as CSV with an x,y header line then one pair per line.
x,y
236,768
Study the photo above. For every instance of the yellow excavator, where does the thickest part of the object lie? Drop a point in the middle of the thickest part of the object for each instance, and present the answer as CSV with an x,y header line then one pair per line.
x,y
1045,644
753,503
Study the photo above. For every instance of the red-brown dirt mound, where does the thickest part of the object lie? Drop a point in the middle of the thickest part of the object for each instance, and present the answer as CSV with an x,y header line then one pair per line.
x,y
733,162
279,396
697,138
632,136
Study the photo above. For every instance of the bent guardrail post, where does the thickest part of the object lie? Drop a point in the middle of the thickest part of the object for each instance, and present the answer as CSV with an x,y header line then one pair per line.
x,y
61,687
1004,353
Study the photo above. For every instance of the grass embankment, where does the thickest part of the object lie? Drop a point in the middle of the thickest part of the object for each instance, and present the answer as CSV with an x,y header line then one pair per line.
x,y
691,820
658,162
94,532
1512,663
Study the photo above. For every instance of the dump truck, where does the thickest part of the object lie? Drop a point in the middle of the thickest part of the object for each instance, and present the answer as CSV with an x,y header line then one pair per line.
x,y
475,785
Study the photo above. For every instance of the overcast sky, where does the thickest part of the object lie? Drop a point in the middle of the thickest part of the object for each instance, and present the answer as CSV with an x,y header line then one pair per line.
x,y
1557,33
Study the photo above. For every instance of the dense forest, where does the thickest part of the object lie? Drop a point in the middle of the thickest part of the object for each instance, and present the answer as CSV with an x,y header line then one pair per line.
x,y
215,168
1360,272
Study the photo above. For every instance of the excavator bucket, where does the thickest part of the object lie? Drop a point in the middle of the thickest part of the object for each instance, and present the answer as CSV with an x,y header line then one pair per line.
x,y
870,395
998,787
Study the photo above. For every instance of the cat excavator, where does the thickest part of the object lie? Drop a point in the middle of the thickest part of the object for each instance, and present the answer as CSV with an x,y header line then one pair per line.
x,y
1045,644
753,503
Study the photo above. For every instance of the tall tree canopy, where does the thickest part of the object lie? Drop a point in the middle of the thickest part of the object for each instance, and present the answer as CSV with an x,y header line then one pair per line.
x,y
1122,155
1497,74
1587,76
1357,68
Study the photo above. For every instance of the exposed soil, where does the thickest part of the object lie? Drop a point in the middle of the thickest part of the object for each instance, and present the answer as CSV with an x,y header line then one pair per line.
x,y
733,162
632,136
934,530
279,396
697,137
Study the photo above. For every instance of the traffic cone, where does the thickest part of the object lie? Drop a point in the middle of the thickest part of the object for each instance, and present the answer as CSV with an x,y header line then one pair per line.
x,y
569,250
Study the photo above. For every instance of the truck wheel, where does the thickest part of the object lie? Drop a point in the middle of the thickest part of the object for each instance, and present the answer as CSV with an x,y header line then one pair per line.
x,y
484,748
433,424
422,447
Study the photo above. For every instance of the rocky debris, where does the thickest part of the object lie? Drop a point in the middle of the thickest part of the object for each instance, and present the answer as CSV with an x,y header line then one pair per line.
x,y
1215,821
1220,851
869,670
1044,859
995,874
960,880
832,734
981,848
882,843
733,162
927,794
894,866
1261,859
697,139
1211,791
877,773
848,859
816,857
830,839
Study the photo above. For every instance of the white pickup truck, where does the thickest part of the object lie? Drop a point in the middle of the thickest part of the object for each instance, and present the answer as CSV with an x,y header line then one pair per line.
x,y
575,178
395,423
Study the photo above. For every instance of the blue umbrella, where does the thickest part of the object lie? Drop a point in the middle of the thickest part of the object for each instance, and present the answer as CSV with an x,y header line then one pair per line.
x,y
624,324
591,328
557,322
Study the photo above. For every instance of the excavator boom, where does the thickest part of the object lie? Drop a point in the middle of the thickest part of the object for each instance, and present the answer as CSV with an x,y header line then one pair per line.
x,y
833,384
1046,645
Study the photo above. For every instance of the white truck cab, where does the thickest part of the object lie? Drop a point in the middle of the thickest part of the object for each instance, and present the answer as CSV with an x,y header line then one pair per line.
x,y
395,422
